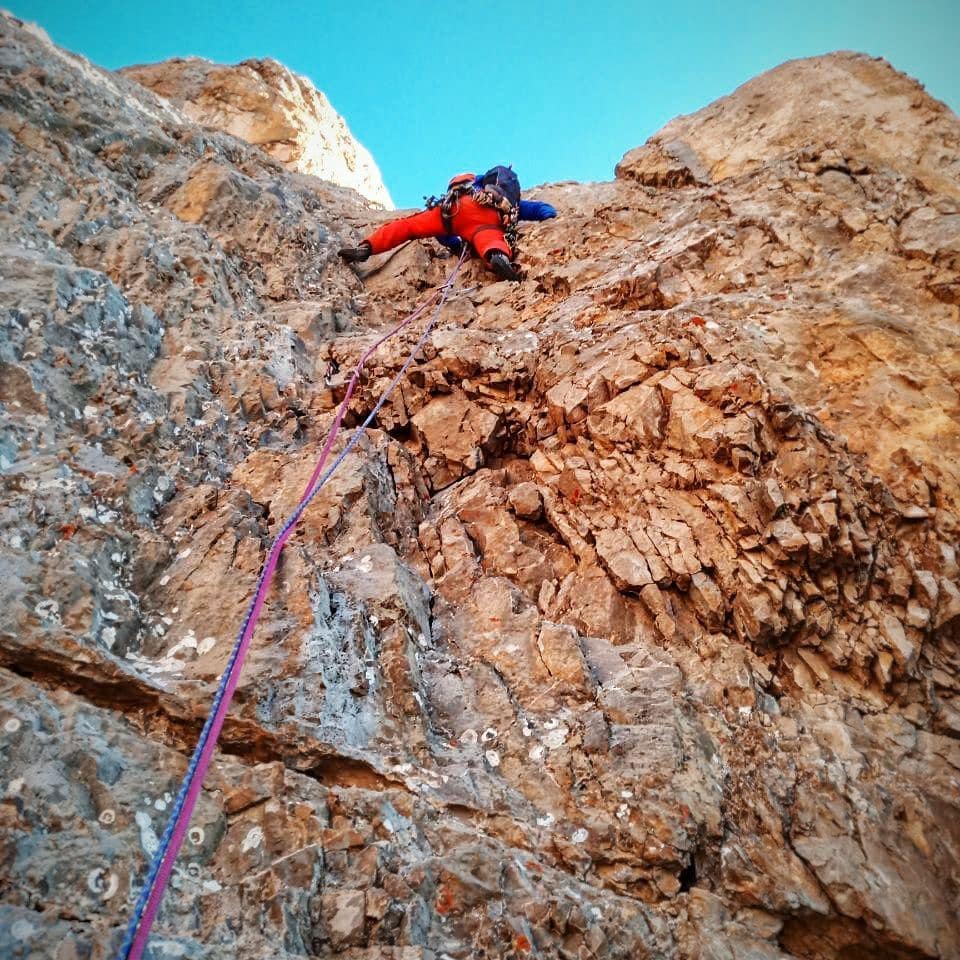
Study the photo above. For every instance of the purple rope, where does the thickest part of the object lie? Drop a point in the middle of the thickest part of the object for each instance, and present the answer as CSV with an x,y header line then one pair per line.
x,y
148,903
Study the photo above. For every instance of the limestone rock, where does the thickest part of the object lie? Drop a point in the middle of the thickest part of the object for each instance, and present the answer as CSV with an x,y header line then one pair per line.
x,y
627,630
526,501
856,106
264,103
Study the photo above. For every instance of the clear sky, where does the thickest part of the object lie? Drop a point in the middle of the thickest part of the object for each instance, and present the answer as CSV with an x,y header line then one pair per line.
x,y
559,89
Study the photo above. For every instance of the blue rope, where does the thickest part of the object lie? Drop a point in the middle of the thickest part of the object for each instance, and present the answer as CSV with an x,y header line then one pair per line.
x,y
175,813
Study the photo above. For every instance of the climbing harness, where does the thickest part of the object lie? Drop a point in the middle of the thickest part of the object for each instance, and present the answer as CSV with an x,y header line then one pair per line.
x,y
489,195
145,910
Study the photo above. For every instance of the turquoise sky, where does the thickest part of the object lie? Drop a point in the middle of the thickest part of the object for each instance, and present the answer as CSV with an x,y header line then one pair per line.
x,y
560,90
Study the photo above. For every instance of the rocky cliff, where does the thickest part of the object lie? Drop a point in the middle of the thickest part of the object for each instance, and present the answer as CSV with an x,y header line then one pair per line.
x,y
264,103
630,632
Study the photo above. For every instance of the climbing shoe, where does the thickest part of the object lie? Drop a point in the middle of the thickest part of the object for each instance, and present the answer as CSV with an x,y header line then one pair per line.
x,y
356,254
502,267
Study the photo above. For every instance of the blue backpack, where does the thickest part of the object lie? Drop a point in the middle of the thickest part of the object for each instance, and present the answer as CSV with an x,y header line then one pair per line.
x,y
503,181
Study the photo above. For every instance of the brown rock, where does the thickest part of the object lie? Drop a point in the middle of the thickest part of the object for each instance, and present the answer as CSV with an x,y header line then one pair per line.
x,y
788,535
455,432
633,416
707,600
562,655
624,563
344,914
526,501
493,704
903,650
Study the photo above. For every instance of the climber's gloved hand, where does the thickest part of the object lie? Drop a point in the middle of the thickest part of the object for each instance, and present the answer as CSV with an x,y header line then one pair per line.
x,y
356,254
537,210
500,264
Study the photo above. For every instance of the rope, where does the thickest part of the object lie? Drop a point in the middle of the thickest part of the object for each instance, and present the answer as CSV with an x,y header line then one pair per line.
x,y
145,910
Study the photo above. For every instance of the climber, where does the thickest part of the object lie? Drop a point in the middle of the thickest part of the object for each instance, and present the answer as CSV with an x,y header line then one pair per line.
x,y
481,210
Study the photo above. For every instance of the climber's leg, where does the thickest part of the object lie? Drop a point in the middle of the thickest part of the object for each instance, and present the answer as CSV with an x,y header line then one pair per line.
x,y
427,223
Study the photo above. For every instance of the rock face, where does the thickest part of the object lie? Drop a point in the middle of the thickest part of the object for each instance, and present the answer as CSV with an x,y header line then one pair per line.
x,y
264,103
842,105
630,632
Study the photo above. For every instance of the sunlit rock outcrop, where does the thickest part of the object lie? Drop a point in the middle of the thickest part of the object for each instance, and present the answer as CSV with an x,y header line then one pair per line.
x,y
264,103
